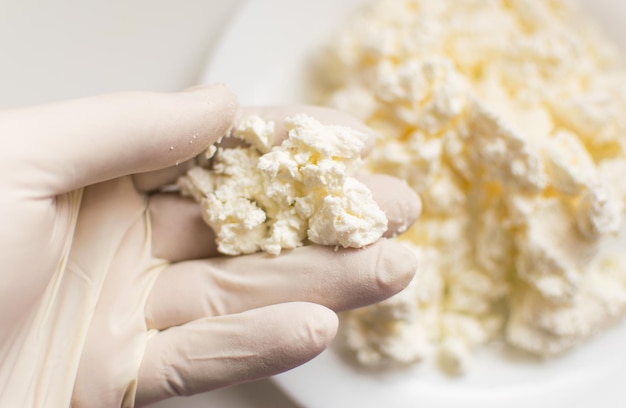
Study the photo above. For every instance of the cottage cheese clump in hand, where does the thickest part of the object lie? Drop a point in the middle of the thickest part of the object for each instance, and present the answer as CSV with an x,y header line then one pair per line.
x,y
261,197
506,117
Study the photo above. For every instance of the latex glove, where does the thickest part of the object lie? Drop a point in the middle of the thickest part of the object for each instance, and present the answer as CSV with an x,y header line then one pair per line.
x,y
113,294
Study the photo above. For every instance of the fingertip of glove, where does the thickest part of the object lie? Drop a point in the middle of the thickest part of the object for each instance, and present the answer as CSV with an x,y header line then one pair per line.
x,y
396,267
317,328
217,98
199,117
401,204
407,207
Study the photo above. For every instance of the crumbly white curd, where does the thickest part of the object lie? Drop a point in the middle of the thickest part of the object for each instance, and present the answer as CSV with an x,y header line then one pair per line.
x,y
261,197
507,118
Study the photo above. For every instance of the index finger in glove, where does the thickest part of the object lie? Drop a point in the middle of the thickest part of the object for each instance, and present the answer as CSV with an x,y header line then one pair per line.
x,y
338,279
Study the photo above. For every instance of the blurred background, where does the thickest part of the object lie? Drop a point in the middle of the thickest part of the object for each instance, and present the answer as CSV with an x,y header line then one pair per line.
x,y
59,49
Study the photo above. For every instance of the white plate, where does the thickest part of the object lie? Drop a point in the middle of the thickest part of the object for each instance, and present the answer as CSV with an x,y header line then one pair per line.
x,y
263,56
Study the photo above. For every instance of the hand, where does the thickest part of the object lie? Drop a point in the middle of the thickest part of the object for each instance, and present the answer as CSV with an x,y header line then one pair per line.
x,y
112,292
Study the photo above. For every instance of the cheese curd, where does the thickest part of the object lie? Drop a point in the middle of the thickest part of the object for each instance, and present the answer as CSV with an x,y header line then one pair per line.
x,y
264,198
506,117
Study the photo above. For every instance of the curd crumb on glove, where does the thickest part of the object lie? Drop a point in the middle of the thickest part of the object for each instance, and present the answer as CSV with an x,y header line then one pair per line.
x,y
264,198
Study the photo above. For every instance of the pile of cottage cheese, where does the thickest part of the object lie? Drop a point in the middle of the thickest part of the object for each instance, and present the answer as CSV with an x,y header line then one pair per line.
x,y
508,118
261,197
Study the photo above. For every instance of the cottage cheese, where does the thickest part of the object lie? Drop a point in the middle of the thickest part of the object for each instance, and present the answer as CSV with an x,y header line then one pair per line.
x,y
264,198
506,118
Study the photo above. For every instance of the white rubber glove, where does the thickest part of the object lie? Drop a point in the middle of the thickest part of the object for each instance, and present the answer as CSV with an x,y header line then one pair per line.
x,y
113,294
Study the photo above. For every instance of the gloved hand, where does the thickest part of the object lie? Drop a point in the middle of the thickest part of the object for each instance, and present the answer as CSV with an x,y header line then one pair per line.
x,y
112,292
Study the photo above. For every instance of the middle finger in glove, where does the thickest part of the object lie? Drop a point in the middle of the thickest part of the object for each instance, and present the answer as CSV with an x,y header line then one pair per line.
x,y
338,279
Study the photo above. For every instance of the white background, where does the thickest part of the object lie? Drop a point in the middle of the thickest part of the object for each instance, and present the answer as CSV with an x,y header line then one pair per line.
x,y
54,49
57,49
